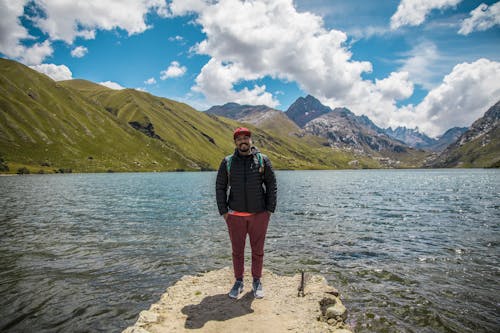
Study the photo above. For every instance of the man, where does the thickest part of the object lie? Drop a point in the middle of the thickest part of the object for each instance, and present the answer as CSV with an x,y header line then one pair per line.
x,y
252,198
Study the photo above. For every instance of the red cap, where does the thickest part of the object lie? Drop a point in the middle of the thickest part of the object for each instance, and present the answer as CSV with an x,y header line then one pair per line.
x,y
241,131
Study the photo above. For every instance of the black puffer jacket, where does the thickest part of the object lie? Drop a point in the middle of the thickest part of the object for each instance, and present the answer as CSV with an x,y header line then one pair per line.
x,y
250,191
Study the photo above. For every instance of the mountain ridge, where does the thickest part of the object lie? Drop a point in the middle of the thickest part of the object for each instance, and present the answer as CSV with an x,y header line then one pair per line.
x,y
340,129
80,126
416,139
346,131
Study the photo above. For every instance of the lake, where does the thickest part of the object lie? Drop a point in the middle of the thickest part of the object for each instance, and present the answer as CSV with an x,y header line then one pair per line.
x,y
409,250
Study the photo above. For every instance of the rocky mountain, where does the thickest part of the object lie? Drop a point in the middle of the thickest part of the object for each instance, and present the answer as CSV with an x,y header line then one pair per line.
x,y
412,137
346,131
449,137
306,109
416,139
260,116
339,128
479,146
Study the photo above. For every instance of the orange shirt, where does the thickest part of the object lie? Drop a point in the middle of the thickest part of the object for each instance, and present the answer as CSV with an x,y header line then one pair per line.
x,y
235,213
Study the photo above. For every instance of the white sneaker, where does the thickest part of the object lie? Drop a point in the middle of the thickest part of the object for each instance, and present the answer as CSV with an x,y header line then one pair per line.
x,y
236,290
258,292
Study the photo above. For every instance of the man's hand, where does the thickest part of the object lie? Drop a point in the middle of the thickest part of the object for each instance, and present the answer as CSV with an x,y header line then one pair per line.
x,y
225,216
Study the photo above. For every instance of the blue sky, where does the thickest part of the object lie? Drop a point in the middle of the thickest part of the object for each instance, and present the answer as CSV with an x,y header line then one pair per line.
x,y
431,64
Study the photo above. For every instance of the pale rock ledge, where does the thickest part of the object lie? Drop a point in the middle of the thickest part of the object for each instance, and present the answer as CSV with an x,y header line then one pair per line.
x,y
200,303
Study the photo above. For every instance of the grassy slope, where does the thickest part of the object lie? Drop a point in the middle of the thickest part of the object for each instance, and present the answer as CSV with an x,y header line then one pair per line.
x,y
42,122
177,124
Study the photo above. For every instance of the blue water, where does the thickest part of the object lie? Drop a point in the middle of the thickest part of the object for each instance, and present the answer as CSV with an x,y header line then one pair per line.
x,y
409,250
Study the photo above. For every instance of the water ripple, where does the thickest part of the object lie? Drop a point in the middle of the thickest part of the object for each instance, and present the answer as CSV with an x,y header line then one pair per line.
x,y
411,250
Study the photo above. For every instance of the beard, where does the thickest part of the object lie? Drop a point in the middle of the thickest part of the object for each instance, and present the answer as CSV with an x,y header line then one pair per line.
x,y
244,147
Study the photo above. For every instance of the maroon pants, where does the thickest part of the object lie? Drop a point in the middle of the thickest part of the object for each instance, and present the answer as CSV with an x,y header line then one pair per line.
x,y
256,227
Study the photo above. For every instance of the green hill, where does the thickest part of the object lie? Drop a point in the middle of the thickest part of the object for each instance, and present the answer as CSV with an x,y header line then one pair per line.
x,y
46,126
85,127
196,136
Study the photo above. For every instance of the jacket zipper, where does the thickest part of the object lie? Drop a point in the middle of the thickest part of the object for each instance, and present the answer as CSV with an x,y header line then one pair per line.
x,y
245,183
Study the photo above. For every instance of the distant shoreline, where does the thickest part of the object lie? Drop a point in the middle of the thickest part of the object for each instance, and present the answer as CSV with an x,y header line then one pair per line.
x,y
188,171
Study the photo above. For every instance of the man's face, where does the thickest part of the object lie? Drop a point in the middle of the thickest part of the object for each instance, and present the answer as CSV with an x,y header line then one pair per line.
x,y
243,143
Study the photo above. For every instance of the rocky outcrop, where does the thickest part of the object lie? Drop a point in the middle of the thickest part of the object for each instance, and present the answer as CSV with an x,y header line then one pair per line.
x,y
201,303
483,126
479,146
345,130
306,109
145,128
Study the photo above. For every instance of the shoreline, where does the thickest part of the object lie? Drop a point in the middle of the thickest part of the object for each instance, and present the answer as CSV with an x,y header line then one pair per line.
x,y
203,171
201,303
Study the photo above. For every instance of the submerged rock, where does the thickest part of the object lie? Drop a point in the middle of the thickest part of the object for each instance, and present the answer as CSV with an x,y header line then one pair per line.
x,y
201,303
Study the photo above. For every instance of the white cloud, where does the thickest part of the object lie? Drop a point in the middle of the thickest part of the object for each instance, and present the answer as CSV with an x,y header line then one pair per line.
x,y
216,82
150,81
36,54
67,20
482,18
413,12
112,85
55,72
79,51
174,70
12,33
366,32
249,41
176,38
464,95
396,86
256,39
11,30
183,7
423,63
